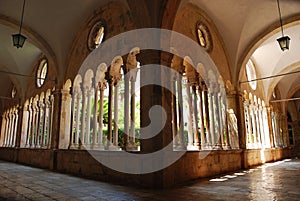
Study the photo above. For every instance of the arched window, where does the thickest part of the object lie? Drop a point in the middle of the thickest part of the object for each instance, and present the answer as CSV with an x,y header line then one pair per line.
x,y
251,74
291,134
42,72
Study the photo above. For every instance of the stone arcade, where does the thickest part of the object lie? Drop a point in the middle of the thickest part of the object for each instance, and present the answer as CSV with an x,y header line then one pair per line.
x,y
90,86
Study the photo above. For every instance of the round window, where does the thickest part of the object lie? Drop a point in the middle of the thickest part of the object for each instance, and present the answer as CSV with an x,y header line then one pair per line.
x,y
204,37
251,74
274,95
42,72
96,36
13,92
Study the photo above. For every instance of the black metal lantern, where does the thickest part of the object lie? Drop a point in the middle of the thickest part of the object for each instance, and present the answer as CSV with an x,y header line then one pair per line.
x,y
284,42
19,39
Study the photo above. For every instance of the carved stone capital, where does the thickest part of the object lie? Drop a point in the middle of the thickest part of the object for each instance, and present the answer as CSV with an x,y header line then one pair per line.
x,y
114,73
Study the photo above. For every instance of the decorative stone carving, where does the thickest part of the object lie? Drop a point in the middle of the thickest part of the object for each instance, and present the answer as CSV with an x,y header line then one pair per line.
x,y
115,68
131,59
229,87
190,72
100,76
177,62
132,63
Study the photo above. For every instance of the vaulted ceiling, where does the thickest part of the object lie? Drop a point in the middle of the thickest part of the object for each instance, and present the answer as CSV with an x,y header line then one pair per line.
x,y
248,29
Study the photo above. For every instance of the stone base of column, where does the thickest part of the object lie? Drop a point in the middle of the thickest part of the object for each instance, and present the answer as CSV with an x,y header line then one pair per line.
x,y
226,147
98,147
179,148
193,147
74,146
206,147
217,147
131,147
113,148
85,146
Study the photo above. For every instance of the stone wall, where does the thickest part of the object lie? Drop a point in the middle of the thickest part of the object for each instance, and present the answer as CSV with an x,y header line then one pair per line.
x,y
255,157
35,157
8,154
194,165
296,130
40,158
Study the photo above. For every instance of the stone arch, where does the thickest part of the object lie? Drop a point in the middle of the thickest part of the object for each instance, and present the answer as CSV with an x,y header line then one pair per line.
x,y
48,93
187,18
116,63
67,86
35,39
131,61
77,97
212,79
190,71
177,61
202,71
274,83
255,99
291,108
100,74
245,95
42,96
187,60
255,44
77,83
87,83
80,51
195,88
251,97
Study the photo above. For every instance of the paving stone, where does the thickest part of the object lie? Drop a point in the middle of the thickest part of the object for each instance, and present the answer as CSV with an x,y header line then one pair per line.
x,y
273,181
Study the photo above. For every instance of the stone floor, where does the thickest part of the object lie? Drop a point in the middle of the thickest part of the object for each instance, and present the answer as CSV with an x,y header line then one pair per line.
x,y
272,181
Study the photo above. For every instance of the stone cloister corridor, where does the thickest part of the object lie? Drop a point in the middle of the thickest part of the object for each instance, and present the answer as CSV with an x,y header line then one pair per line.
x,y
156,96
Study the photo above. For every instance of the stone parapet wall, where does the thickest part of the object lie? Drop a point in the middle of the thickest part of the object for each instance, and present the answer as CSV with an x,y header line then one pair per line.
x,y
254,157
195,165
